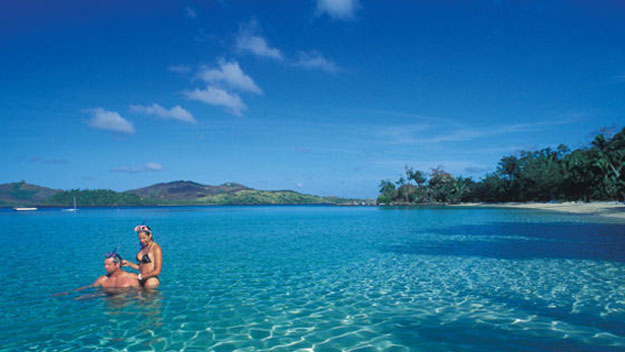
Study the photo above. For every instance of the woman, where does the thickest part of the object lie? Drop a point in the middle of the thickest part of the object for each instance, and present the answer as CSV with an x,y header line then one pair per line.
x,y
150,258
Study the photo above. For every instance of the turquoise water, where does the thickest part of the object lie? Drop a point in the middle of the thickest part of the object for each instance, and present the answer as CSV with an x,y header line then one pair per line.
x,y
318,278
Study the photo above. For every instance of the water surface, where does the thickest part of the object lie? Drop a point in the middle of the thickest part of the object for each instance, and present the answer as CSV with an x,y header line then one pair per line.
x,y
318,278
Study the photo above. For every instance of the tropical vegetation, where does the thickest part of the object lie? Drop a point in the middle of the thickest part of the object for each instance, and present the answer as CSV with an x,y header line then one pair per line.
x,y
596,172
98,198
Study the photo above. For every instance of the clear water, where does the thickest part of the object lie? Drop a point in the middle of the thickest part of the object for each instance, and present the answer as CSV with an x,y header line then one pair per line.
x,y
318,278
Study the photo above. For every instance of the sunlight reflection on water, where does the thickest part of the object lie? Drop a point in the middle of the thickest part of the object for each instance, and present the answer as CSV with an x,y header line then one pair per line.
x,y
319,278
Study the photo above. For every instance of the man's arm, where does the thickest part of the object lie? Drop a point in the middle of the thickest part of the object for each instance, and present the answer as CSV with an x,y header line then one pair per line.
x,y
97,282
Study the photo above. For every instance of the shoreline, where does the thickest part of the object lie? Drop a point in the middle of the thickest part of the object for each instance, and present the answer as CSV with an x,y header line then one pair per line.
x,y
605,209
55,207
608,209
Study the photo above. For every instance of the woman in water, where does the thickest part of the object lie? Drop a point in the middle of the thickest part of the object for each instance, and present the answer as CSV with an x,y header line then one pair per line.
x,y
150,258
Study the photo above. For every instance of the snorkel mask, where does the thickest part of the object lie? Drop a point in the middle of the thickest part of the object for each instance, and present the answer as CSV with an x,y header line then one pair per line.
x,y
143,228
113,254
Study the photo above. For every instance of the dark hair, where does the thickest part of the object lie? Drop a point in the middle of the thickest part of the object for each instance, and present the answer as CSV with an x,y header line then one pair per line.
x,y
116,257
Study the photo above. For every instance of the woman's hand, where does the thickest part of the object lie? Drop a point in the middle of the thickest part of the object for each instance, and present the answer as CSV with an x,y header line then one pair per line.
x,y
129,264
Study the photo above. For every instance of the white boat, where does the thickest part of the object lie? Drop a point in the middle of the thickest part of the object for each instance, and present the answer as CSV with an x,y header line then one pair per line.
x,y
24,209
72,209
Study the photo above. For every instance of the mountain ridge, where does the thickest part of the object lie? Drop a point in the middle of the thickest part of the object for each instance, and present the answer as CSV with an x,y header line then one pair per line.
x,y
181,192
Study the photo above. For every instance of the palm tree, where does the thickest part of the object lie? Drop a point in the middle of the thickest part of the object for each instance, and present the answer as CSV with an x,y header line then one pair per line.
x,y
611,160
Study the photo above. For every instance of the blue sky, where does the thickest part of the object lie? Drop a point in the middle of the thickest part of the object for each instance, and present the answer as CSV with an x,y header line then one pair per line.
x,y
320,96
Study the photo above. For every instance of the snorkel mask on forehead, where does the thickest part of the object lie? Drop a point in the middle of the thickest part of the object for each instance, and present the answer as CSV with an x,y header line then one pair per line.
x,y
113,254
143,229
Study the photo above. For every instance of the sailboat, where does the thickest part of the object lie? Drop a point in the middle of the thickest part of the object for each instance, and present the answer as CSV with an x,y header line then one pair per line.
x,y
72,209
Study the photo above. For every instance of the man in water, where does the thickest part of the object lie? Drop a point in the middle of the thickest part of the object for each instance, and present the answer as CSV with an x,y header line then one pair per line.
x,y
115,276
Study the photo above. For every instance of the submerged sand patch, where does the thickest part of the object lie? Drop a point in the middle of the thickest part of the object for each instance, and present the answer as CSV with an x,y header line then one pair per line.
x,y
612,209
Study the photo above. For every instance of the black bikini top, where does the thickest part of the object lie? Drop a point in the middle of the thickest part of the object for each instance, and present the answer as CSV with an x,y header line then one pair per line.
x,y
145,259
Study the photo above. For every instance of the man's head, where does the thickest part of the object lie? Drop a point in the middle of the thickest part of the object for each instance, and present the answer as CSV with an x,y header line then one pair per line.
x,y
112,262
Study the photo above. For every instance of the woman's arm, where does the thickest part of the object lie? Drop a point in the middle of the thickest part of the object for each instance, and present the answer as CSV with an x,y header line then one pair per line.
x,y
130,264
158,261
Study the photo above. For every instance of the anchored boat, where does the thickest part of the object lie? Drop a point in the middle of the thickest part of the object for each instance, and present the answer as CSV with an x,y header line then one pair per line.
x,y
24,209
72,209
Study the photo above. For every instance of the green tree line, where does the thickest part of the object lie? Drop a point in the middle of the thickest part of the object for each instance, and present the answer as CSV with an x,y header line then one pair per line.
x,y
97,198
596,172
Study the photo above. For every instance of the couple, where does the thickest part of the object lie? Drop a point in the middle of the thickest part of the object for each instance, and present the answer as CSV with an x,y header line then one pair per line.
x,y
150,259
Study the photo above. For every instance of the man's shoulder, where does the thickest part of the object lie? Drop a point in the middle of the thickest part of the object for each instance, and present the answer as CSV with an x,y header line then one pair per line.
x,y
101,279
126,274
129,278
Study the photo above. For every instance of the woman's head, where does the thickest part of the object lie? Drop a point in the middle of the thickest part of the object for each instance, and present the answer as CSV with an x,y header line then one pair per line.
x,y
144,233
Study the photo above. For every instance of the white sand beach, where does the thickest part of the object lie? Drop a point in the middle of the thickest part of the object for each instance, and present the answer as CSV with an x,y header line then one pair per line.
x,y
612,209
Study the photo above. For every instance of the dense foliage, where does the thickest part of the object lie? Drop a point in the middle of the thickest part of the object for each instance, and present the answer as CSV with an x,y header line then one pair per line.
x,y
268,197
593,173
97,198
108,198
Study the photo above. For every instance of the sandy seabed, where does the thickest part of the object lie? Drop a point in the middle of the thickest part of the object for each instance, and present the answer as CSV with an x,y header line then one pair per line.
x,y
612,209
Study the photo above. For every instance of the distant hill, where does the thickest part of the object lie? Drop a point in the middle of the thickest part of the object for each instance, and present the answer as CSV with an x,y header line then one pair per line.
x,y
185,190
97,198
188,192
170,193
250,196
19,194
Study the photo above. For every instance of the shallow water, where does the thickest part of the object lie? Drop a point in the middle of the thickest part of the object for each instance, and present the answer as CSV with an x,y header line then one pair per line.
x,y
318,278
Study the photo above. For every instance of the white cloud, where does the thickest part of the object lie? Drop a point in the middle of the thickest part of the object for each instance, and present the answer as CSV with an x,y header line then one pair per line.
x,y
147,167
218,97
175,113
38,158
190,12
248,40
406,136
109,120
455,167
313,60
182,69
153,166
339,9
231,74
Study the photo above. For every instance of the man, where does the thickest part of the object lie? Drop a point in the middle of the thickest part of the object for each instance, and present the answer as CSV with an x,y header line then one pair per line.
x,y
115,276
